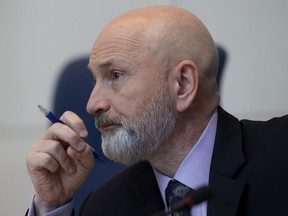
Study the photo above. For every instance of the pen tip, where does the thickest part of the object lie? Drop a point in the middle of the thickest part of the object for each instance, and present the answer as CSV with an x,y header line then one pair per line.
x,y
43,110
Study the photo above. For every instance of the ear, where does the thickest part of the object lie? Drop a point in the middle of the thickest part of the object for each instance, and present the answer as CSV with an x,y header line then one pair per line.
x,y
187,81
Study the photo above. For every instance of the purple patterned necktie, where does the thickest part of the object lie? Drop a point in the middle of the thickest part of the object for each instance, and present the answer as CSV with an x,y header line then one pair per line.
x,y
175,192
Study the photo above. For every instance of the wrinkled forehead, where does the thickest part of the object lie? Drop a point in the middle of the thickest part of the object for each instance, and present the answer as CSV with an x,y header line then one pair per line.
x,y
124,38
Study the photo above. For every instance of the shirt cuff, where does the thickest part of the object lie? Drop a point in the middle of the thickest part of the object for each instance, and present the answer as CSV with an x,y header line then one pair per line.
x,y
65,210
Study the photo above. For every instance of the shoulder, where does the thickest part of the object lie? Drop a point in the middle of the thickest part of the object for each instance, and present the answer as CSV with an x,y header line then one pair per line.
x,y
266,143
274,130
257,140
280,123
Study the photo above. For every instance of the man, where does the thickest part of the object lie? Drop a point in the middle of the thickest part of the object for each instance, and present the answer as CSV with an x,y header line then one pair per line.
x,y
156,103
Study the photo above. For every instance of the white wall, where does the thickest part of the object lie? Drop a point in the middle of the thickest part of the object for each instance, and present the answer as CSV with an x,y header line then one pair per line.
x,y
37,38
255,33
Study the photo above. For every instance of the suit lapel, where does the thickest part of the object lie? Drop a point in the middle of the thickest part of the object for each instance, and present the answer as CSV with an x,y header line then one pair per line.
x,y
146,197
227,159
148,193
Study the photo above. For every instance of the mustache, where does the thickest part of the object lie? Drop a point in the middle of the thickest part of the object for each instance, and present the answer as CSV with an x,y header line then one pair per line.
x,y
102,119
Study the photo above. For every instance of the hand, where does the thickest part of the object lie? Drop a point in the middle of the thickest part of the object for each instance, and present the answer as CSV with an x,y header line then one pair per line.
x,y
59,163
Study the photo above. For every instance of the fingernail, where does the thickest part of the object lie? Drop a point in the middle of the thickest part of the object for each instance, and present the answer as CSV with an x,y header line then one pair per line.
x,y
83,133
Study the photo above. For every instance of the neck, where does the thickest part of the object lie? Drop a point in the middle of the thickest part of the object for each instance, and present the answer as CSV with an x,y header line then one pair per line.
x,y
168,157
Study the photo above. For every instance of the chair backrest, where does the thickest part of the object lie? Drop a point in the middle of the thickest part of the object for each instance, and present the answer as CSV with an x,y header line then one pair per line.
x,y
71,93
222,58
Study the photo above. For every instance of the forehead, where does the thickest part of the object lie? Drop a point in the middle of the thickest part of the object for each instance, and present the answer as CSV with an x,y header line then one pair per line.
x,y
120,45
119,49
124,37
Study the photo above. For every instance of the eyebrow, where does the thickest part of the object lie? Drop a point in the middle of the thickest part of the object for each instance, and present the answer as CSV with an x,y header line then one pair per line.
x,y
103,64
112,62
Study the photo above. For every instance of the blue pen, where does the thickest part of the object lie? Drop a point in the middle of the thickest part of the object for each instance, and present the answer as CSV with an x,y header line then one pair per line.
x,y
51,116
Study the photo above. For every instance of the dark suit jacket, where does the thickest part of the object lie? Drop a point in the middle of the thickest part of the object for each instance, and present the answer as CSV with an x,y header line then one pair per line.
x,y
249,175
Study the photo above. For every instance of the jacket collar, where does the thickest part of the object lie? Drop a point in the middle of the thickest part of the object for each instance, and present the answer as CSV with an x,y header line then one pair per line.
x,y
227,159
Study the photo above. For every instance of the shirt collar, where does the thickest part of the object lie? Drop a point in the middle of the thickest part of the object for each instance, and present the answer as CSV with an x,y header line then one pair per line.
x,y
194,169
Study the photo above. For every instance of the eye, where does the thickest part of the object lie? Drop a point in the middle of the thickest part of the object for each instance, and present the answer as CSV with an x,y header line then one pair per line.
x,y
116,74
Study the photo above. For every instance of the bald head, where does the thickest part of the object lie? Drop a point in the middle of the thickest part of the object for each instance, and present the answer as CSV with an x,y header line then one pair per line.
x,y
172,33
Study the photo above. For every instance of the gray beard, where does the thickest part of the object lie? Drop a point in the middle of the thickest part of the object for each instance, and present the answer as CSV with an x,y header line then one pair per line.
x,y
136,139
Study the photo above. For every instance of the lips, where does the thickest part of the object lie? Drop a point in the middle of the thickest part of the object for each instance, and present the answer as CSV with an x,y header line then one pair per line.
x,y
107,126
105,122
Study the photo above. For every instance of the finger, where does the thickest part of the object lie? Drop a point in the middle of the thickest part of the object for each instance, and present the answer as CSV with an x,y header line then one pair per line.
x,y
37,161
75,122
65,135
57,151
85,157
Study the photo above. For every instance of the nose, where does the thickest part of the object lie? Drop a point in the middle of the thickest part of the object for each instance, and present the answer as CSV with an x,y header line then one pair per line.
x,y
97,102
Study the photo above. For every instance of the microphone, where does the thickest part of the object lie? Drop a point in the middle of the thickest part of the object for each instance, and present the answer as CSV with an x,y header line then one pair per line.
x,y
193,198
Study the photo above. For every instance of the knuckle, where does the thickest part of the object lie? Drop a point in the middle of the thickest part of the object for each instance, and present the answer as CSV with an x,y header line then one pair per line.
x,y
68,113
55,146
57,126
49,162
47,159
73,118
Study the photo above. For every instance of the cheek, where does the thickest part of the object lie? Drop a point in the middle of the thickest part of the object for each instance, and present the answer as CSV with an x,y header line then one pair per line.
x,y
131,104
127,103
136,94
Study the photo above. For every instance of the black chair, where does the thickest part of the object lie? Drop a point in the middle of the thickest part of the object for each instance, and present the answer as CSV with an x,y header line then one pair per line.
x,y
71,93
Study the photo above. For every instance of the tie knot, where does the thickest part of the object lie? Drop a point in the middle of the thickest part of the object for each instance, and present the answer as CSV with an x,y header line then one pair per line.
x,y
175,192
